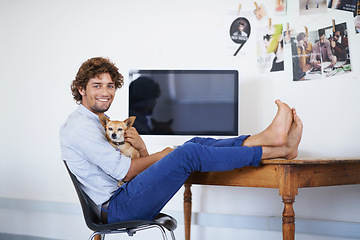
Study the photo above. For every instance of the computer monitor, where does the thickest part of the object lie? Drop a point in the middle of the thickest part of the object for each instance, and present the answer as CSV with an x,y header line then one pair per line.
x,y
185,102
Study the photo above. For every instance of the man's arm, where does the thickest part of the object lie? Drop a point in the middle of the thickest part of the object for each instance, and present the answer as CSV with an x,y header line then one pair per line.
x,y
145,160
314,55
141,163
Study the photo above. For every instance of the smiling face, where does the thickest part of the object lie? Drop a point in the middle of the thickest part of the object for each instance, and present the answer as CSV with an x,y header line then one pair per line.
x,y
99,93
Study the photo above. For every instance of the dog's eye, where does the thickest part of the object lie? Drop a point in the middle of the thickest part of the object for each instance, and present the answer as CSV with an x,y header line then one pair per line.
x,y
120,129
110,128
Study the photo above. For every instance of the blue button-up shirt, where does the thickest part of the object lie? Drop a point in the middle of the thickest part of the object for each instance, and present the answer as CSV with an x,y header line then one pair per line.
x,y
95,163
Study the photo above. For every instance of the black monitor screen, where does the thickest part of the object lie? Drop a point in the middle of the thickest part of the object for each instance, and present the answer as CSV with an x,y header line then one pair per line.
x,y
184,102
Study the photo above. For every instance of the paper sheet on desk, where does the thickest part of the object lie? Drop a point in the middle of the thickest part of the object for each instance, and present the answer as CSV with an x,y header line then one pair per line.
x,y
340,67
325,65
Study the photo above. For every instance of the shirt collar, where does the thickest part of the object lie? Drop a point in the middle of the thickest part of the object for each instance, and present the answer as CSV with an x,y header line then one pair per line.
x,y
86,112
89,114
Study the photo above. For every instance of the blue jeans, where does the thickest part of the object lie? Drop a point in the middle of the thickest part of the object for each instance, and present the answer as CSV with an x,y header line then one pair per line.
x,y
145,195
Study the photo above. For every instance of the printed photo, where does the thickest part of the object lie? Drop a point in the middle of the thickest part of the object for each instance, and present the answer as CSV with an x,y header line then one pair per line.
x,y
357,24
280,7
240,32
302,51
270,46
344,5
337,60
320,53
357,18
307,7
237,27
287,36
260,12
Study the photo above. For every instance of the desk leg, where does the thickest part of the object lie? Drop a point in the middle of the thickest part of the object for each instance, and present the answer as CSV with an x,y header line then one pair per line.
x,y
187,210
288,225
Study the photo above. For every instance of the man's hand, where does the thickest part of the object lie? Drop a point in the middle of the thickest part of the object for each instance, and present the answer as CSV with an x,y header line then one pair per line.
x,y
333,61
133,137
317,64
333,43
301,45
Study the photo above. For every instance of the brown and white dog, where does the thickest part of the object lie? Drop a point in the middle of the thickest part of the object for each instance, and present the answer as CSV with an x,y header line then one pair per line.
x,y
115,135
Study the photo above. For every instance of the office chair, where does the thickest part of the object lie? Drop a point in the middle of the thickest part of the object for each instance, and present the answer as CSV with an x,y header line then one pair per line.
x,y
93,221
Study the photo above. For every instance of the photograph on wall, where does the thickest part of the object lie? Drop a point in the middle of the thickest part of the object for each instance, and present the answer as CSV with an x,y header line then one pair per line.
x,y
357,24
260,12
270,48
287,36
307,7
320,53
335,61
344,5
302,52
357,18
280,7
240,32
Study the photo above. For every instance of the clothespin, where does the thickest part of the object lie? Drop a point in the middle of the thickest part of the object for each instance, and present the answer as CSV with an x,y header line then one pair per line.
x,y
269,23
333,24
257,8
306,31
239,9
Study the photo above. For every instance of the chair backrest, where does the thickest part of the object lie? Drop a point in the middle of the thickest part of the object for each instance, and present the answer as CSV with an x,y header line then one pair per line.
x,y
89,208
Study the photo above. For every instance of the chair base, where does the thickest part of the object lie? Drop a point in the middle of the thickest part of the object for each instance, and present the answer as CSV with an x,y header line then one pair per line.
x,y
100,235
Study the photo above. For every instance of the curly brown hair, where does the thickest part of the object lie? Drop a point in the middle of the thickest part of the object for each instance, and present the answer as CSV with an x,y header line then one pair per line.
x,y
91,68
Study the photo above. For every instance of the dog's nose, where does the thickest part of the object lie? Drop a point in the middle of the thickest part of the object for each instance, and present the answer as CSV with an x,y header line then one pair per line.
x,y
113,136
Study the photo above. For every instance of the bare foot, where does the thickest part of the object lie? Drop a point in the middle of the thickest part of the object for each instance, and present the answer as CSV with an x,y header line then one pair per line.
x,y
277,132
294,137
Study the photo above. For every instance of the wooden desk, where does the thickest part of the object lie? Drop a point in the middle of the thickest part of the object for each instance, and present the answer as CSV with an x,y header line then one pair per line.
x,y
286,175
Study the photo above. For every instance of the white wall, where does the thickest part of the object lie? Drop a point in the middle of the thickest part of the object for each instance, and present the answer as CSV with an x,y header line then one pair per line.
x,y
44,42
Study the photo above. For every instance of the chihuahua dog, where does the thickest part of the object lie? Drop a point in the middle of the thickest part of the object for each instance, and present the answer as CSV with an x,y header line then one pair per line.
x,y
115,135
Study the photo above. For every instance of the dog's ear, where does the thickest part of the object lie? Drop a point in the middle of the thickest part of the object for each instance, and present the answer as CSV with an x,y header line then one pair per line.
x,y
130,121
103,120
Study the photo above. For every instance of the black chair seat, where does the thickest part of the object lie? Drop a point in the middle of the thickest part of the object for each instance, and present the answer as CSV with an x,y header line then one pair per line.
x,y
166,221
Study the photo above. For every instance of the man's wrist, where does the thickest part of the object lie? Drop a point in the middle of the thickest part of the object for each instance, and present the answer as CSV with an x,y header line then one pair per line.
x,y
143,152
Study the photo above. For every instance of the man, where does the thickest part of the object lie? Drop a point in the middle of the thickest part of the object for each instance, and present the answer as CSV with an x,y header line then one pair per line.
x,y
152,179
304,49
322,52
240,36
339,44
